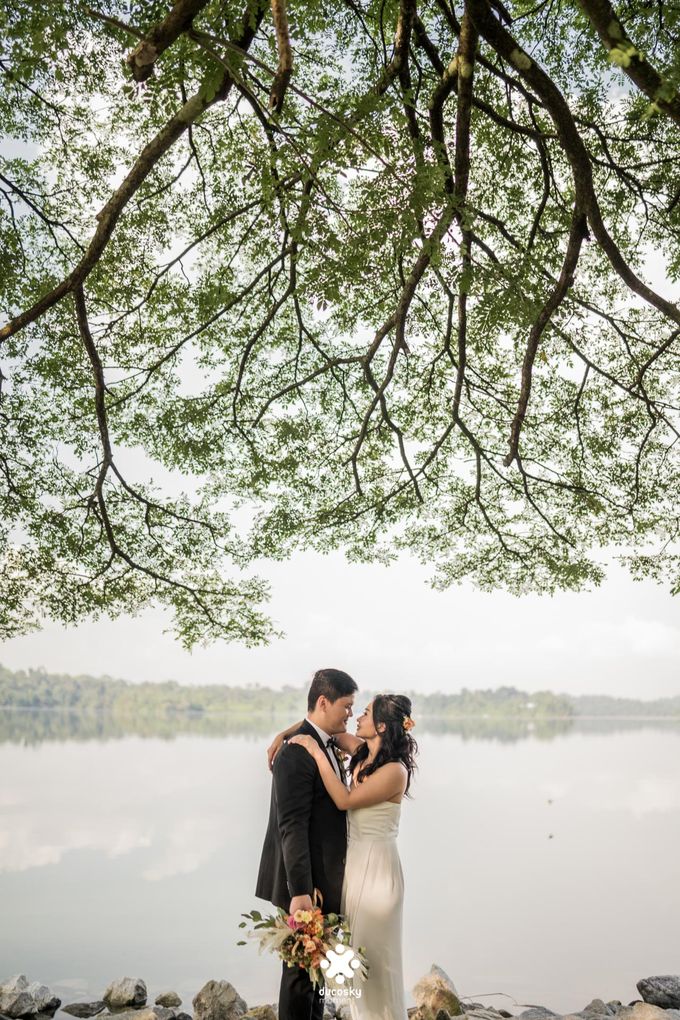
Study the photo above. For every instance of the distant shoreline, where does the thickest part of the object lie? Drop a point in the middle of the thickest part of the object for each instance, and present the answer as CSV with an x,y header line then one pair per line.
x,y
279,714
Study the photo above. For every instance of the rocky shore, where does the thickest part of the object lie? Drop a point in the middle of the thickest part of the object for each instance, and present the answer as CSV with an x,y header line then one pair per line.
x,y
435,996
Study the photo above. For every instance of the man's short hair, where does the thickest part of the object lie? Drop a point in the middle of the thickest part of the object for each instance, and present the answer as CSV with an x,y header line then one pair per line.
x,y
332,683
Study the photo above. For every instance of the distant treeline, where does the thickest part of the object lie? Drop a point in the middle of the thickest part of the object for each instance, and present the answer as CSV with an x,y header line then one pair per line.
x,y
601,705
36,688
42,707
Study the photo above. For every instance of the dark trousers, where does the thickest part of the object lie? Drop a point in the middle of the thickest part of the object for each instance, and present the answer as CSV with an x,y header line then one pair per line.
x,y
298,999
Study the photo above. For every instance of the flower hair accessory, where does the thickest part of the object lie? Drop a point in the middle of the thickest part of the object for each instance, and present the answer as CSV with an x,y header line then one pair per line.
x,y
408,723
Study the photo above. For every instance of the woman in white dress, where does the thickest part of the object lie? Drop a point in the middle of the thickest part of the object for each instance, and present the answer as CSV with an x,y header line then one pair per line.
x,y
382,764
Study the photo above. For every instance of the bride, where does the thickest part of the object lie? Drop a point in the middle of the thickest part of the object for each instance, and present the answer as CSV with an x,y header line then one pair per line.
x,y
382,765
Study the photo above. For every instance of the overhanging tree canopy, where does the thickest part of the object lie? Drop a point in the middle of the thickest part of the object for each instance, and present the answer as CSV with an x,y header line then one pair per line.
x,y
378,269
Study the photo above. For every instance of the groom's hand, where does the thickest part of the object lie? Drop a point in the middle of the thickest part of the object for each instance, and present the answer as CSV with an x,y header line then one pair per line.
x,y
300,903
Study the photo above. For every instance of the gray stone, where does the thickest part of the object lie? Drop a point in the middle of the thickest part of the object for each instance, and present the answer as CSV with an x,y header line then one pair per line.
x,y
15,999
482,1013
44,999
437,991
261,1013
537,1013
168,998
661,990
17,983
596,1007
17,1005
84,1009
125,992
164,1012
614,1005
140,1013
641,1011
218,1000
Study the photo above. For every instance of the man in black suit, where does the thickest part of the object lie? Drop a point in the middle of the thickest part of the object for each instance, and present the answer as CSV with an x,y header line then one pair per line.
x,y
305,845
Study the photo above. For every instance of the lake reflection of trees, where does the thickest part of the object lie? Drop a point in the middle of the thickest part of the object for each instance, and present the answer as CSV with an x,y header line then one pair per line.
x,y
36,726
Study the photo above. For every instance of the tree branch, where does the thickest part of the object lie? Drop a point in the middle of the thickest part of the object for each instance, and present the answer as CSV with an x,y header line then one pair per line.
x,y
141,60
608,26
146,161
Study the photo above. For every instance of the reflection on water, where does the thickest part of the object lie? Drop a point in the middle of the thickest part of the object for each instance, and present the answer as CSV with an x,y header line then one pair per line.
x,y
539,862
34,726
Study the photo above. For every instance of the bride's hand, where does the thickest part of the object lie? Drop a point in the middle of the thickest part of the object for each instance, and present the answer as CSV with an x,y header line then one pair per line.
x,y
309,743
274,749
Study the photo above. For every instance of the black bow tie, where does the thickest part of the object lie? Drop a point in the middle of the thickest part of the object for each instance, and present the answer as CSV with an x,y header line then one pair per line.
x,y
338,755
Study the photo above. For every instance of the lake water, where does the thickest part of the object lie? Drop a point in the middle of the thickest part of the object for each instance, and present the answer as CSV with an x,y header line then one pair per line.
x,y
541,867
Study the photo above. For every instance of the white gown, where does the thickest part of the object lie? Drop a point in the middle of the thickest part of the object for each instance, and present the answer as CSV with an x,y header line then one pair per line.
x,y
372,902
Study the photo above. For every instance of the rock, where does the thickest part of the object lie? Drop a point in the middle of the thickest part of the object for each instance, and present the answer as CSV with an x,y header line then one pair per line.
x,y
537,1013
44,999
261,1013
437,991
125,992
482,1013
142,1013
662,990
596,1007
641,1011
504,1012
168,999
15,999
614,1005
183,1016
218,1000
84,1009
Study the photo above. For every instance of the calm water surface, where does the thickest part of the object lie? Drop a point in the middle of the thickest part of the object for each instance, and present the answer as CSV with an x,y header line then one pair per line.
x,y
538,868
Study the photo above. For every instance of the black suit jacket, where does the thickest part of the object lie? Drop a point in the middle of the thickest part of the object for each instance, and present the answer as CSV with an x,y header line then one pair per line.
x,y
306,840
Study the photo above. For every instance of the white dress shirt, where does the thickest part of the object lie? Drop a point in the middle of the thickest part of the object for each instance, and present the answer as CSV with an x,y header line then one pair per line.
x,y
325,737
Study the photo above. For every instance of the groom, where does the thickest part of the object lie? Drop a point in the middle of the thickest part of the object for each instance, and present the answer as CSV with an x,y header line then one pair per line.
x,y
305,844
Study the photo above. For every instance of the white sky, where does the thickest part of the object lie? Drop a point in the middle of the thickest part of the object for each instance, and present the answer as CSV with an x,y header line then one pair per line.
x,y
387,628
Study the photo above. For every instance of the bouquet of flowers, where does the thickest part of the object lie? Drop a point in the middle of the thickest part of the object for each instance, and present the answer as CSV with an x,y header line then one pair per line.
x,y
310,939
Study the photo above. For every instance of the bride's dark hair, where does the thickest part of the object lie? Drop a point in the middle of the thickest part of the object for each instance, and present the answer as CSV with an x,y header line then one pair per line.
x,y
397,744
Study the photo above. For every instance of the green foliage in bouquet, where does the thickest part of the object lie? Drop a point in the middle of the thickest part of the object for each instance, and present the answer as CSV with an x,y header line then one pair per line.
x,y
307,939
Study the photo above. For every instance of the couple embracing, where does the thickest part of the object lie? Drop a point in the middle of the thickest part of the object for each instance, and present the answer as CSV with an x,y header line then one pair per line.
x,y
337,833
